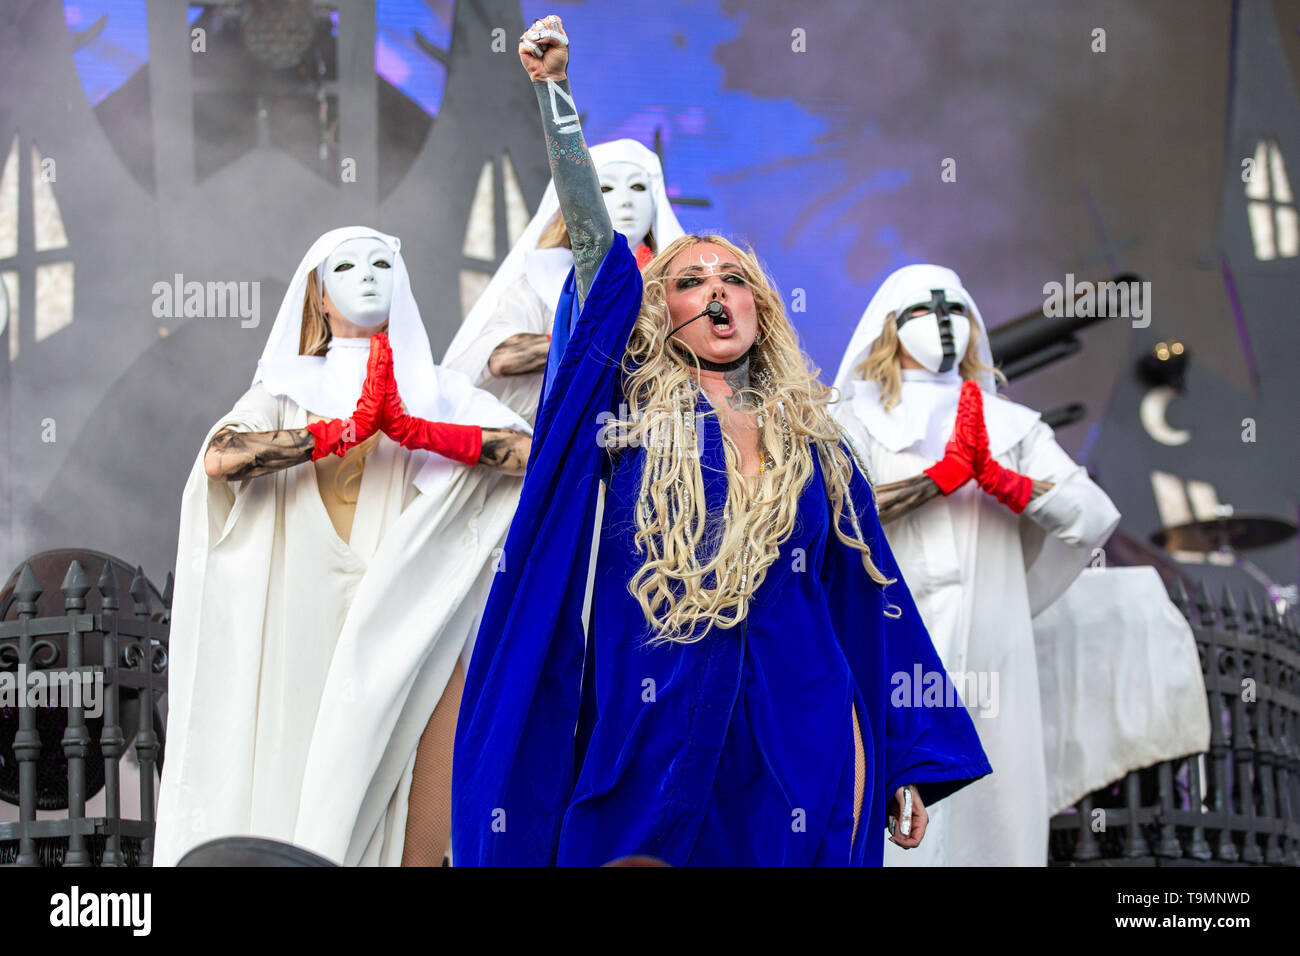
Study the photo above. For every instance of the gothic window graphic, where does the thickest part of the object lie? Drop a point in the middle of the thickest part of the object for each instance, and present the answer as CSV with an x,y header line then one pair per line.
x,y
1274,227
44,266
479,247
9,244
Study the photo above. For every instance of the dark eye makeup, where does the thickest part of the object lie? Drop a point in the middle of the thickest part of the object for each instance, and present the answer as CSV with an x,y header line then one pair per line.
x,y
686,282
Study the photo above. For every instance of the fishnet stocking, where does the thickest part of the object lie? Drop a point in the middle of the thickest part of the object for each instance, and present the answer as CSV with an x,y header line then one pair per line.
x,y
428,816
859,775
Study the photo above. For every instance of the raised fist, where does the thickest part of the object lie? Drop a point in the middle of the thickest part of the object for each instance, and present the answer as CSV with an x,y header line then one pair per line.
x,y
544,50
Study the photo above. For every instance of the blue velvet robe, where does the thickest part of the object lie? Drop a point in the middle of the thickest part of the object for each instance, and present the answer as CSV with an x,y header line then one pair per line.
x,y
735,750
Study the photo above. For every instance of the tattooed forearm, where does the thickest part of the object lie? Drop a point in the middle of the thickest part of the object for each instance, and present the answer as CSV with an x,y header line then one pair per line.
x,y
505,450
899,497
234,456
576,185
521,354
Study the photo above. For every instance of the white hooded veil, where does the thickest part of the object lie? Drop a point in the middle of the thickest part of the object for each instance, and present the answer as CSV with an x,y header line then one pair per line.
x,y
331,385
363,634
928,415
547,268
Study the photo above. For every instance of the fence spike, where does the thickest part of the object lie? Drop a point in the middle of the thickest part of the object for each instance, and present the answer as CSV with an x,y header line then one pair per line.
x,y
1229,608
1204,603
28,589
107,585
1252,608
1180,597
75,586
140,591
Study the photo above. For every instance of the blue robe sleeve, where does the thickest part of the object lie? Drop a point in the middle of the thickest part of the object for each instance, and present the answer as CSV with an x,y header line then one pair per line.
x,y
514,764
928,741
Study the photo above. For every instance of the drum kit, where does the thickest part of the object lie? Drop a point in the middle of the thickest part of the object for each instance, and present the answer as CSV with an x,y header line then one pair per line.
x,y
1225,536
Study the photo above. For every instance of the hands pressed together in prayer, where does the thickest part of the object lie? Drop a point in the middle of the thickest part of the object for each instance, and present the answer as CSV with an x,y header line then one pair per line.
x,y
967,456
380,409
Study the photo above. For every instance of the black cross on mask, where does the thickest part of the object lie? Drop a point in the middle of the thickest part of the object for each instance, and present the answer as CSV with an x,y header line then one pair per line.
x,y
943,313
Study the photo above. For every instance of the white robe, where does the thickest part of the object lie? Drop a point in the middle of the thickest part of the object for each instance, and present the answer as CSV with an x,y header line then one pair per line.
x,y
521,309
304,669
978,574
1121,682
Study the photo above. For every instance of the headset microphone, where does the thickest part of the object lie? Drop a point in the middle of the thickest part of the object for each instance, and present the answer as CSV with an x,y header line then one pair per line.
x,y
713,310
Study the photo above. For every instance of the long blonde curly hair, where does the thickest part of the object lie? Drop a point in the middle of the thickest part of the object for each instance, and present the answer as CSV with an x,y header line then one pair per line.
x,y
684,551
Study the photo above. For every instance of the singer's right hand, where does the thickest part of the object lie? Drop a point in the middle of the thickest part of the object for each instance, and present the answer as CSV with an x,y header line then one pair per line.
x,y
920,820
544,50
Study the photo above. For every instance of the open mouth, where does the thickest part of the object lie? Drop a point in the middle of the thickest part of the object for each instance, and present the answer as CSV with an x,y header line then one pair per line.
x,y
722,324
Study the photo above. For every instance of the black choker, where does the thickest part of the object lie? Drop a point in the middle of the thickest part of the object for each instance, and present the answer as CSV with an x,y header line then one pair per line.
x,y
724,366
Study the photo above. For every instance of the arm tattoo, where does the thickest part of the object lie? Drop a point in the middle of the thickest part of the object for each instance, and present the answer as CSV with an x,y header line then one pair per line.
x,y
521,354
590,231
505,450
241,455
899,497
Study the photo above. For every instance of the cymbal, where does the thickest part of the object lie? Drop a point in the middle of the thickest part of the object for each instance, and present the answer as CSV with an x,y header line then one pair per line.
x,y
1238,533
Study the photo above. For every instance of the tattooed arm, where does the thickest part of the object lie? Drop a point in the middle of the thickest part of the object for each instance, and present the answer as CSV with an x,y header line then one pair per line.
x,y
235,455
505,450
521,354
544,52
901,497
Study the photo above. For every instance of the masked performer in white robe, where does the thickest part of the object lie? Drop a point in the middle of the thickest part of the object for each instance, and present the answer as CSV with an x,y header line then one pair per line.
x,y
336,538
990,520
502,345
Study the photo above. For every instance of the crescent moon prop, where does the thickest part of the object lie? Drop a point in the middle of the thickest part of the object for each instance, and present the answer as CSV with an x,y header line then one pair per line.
x,y
1151,411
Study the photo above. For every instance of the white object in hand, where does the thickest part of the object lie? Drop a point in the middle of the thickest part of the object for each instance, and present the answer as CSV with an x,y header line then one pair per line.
x,y
905,824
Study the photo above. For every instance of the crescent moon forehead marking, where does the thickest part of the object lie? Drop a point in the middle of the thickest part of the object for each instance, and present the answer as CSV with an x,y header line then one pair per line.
x,y
707,264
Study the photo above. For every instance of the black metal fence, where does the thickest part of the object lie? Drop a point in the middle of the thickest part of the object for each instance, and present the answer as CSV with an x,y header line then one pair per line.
x,y
54,755
1238,803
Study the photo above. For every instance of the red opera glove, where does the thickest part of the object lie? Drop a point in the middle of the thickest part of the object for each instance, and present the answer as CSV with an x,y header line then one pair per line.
x,y
957,466
337,436
643,256
462,443
1009,487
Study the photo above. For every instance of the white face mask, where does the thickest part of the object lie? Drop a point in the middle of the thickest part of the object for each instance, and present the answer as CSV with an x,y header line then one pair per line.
x,y
359,280
921,333
631,206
